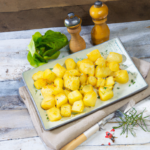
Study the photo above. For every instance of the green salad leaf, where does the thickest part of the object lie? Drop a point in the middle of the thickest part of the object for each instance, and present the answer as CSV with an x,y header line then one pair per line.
x,y
45,47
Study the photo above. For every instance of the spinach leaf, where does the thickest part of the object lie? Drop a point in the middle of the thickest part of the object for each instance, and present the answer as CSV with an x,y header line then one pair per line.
x,y
45,47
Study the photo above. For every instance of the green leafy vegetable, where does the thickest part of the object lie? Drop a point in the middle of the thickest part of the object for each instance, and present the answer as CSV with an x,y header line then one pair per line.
x,y
45,47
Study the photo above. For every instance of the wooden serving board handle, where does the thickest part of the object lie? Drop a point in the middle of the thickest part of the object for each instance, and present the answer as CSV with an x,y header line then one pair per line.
x,y
76,142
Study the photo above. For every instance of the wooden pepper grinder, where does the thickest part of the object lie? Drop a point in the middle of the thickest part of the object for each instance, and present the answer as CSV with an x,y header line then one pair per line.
x,y
100,32
73,24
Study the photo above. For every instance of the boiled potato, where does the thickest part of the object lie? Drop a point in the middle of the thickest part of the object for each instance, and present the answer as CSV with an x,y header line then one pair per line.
x,y
102,72
101,62
59,70
59,82
54,114
66,110
83,78
37,75
70,64
110,81
73,72
87,89
60,99
87,67
94,55
78,106
90,99
92,80
100,82
49,75
47,90
121,76
78,63
74,96
72,83
57,90
66,92
48,102
114,57
39,83
105,93
114,66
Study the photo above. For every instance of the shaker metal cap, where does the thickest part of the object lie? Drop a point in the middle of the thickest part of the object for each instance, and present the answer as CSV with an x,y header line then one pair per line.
x,y
98,3
71,20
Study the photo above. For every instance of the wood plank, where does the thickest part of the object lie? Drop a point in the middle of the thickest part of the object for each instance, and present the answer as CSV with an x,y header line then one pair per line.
x,y
36,144
23,144
11,102
17,5
119,11
15,124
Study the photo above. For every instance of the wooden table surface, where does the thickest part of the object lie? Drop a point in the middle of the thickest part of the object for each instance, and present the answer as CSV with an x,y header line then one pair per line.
x,y
16,129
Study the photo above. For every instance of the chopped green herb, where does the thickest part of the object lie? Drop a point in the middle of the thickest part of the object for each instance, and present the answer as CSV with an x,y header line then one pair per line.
x,y
63,56
51,68
46,114
105,87
40,93
118,88
129,84
47,118
98,97
35,91
132,80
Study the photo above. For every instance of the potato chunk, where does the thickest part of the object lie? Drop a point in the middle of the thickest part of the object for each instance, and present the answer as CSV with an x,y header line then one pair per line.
x,y
87,89
70,64
73,72
101,62
100,82
37,75
59,82
94,55
59,70
110,81
92,80
39,83
90,99
49,75
114,57
48,102
105,93
57,90
74,96
47,90
72,83
54,114
102,72
114,66
87,67
122,76
78,106
66,92
60,99
66,110
83,78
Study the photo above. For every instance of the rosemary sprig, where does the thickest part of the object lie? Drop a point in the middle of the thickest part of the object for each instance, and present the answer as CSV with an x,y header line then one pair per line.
x,y
130,121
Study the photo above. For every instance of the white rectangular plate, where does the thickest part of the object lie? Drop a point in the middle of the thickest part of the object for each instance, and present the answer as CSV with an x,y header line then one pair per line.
x,y
120,90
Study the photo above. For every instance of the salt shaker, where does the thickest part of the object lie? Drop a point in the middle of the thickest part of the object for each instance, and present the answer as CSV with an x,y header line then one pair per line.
x,y
73,24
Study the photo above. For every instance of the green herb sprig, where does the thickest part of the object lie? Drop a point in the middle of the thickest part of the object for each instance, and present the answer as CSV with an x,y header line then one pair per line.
x,y
130,121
